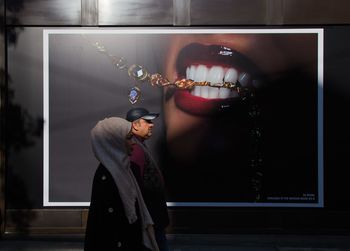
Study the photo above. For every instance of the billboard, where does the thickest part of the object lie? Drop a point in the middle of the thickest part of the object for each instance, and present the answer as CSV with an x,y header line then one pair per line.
x,y
241,111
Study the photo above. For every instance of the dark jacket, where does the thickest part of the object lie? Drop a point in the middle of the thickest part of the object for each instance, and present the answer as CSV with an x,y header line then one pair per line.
x,y
155,201
107,226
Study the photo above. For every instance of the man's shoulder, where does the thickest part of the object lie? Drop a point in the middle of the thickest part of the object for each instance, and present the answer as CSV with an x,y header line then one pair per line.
x,y
138,155
137,148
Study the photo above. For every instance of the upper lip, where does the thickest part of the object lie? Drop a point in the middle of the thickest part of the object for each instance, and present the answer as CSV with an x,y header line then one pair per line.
x,y
215,61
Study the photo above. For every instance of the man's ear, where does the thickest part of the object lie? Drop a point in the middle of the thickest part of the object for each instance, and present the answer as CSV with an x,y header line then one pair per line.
x,y
134,126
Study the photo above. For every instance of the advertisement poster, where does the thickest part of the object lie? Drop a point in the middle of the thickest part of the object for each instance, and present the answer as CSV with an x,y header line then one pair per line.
x,y
241,111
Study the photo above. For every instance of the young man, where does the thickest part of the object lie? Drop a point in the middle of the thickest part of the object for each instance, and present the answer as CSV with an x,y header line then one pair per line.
x,y
147,173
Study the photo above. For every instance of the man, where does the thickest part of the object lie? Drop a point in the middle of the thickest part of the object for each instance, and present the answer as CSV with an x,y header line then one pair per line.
x,y
147,173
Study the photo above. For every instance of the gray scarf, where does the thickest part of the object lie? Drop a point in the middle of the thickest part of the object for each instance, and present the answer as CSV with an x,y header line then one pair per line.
x,y
108,139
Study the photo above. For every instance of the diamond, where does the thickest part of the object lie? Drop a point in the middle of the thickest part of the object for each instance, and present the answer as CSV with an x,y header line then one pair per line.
x,y
100,47
119,62
137,72
134,95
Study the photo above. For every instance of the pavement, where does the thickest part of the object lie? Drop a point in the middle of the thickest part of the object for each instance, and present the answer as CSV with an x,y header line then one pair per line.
x,y
199,242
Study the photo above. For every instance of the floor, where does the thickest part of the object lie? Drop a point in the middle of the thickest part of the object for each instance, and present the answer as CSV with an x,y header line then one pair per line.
x,y
192,242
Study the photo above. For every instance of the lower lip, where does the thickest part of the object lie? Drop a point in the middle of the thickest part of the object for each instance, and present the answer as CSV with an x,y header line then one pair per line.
x,y
200,106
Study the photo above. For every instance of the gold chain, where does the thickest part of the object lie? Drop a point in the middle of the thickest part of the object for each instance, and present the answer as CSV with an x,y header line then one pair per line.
x,y
158,80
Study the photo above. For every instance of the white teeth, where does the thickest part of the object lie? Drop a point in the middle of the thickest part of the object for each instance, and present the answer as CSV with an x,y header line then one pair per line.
x,y
191,73
217,75
244,79
214,92
231,75
205,91
200,73
196,91
224,92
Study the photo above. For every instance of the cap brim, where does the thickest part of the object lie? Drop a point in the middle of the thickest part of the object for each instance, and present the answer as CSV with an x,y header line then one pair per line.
x,y
150,116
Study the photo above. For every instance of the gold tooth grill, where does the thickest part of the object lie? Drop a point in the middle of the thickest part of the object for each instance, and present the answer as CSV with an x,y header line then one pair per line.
x,y
158,80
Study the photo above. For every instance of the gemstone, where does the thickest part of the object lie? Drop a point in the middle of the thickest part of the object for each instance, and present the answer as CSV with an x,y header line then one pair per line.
x,y
253,163
100,47
134,94
119,62
158,80
254,111
256,133
137,72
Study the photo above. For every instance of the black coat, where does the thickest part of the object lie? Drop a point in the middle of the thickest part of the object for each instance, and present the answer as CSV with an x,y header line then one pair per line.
x,y
107,226
155,200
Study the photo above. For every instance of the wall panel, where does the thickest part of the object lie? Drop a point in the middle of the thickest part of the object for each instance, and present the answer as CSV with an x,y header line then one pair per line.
x,y
316,12
41,12
228,12
135,12
2,108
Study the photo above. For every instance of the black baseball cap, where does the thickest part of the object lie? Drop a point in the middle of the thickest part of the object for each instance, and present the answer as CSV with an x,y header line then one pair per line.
x,y
138,113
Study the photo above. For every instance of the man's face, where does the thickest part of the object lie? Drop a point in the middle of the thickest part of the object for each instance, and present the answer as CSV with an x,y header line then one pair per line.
x,y
142,128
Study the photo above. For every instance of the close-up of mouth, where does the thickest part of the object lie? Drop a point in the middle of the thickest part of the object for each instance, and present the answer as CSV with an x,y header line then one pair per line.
x,y
217,65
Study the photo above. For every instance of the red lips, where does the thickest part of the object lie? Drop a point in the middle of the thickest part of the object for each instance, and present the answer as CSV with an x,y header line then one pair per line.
x,y
200,106
194,54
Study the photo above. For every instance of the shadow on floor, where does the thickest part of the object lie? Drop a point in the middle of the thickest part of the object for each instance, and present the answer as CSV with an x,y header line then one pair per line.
x,y
201,242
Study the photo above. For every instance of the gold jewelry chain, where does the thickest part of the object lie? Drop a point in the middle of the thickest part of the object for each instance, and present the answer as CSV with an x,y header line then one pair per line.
x,y
157,79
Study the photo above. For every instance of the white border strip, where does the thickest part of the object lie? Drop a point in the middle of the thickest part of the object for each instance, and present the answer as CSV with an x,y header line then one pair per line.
x,y
320,153
46,117
319,32
179,31
239,204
